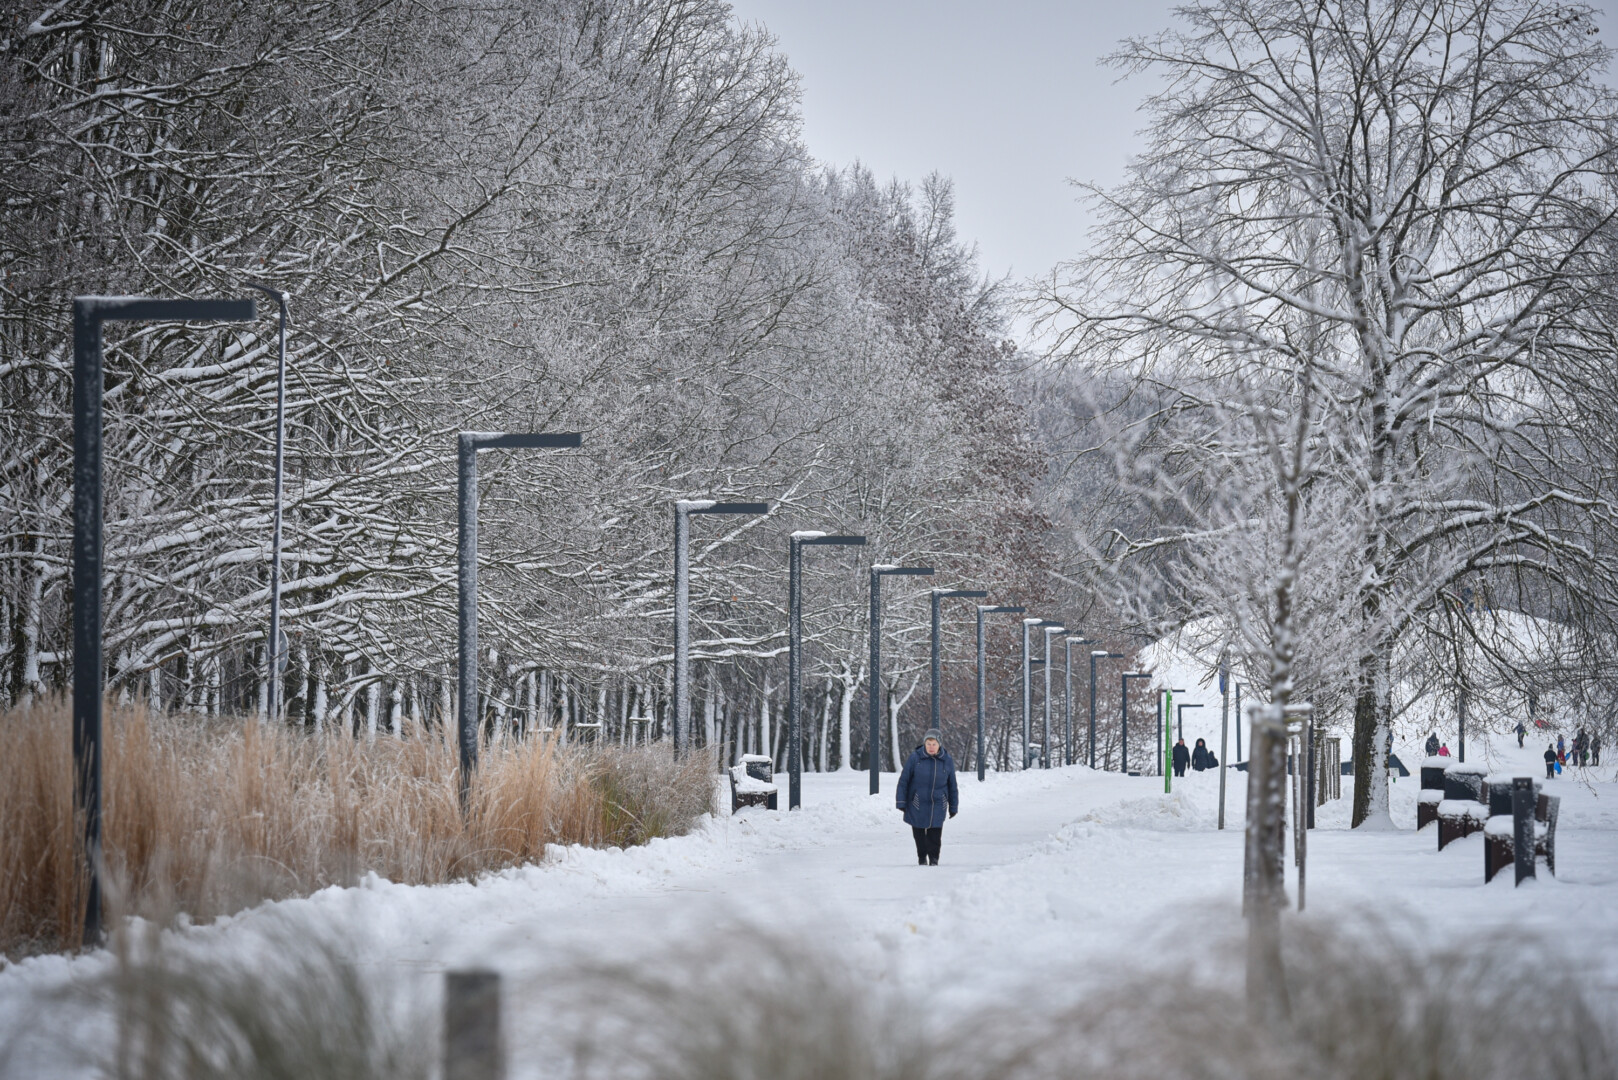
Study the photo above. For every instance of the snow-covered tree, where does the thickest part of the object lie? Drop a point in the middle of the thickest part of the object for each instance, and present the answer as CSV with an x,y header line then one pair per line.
x,y
1413,202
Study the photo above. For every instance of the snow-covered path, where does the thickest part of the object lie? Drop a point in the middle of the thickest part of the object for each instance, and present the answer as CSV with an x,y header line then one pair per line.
x,y
1047,879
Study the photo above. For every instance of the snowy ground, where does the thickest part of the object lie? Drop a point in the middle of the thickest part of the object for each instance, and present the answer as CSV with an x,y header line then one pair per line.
x,y
1045,875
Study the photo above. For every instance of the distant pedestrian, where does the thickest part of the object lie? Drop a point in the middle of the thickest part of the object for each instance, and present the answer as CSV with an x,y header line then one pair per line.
x,y
1550,762
1561,749
1595,749
927,793
1432,745
1443,750
1200,756
1521,731
1182,758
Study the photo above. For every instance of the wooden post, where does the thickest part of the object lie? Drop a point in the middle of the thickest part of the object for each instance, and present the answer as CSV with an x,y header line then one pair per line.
x,y
472,1049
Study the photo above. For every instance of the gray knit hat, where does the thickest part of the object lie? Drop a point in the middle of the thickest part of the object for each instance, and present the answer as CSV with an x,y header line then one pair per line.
x,y
932,733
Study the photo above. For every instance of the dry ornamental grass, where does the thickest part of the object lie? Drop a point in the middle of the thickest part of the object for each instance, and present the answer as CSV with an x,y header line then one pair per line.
x,y
208,816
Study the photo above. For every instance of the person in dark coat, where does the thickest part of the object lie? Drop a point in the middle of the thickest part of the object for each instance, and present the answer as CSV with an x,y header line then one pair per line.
x,y
927,793
1550,763
1200,756
1182,758
1595,749
1432,744
1521,731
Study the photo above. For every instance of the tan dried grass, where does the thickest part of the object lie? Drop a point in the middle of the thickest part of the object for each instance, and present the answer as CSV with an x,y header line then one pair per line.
x,y
209,816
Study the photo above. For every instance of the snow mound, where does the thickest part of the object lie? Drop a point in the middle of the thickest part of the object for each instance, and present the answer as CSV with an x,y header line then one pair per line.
x,y
1159,813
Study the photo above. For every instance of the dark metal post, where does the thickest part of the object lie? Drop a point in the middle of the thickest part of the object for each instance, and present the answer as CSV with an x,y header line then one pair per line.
x,y
985,609
1045,745
1027,693
1460,748
1309,786
1096,654
1067,701
1124,766
1181,718
795,653
472,1045
1238,721
466,726
1224,733
89,312
467,445
874,697
1522,826
681,676
939,596
794,675
87,525
683,509
272,645
937,667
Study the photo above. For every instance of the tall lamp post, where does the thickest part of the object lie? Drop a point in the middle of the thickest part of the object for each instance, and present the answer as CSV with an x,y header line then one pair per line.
x,y
683,509
272,647
1183,708
986,609
939,596
1027,687
1045,744
1096,654
1123,766
89,312
874,697
795,650
467,445
1067,697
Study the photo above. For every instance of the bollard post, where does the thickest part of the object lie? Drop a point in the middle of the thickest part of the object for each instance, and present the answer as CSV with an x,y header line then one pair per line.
x,y
472,1049
1522,826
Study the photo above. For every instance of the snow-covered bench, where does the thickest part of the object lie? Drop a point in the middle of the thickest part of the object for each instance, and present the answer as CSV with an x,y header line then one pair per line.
x,y
752,783
1463,810
1432,790
1499,832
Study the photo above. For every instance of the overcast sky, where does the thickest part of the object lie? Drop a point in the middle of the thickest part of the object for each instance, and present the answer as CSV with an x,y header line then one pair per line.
x,y
1005,98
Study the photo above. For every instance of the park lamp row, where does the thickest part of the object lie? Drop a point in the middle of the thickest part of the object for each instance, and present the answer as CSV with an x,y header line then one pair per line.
x,y
89,315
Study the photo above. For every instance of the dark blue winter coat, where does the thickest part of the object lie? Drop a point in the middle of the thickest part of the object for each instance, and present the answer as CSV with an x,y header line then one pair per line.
x,y
927,792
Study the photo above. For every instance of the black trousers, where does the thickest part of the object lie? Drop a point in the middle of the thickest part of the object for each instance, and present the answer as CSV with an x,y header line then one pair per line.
x,y
927,842
1550,771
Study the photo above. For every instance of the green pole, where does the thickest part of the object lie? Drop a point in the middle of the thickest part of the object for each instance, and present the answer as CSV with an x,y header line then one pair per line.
x,y
1168,740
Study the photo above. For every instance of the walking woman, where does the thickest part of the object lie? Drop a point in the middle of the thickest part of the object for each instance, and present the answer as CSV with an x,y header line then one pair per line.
x,y
926,794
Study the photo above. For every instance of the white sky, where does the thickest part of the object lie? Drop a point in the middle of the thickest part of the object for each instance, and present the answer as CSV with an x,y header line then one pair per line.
x,y
1005,98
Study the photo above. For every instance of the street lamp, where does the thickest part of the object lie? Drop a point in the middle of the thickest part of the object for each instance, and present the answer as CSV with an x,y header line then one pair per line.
x,y
1096,654
874,697
938,666
1165,718
1045,745
986,609
1067,697
467,445
89,312
1124,764
1183,708
272,648
1027,687
795,650
683,509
